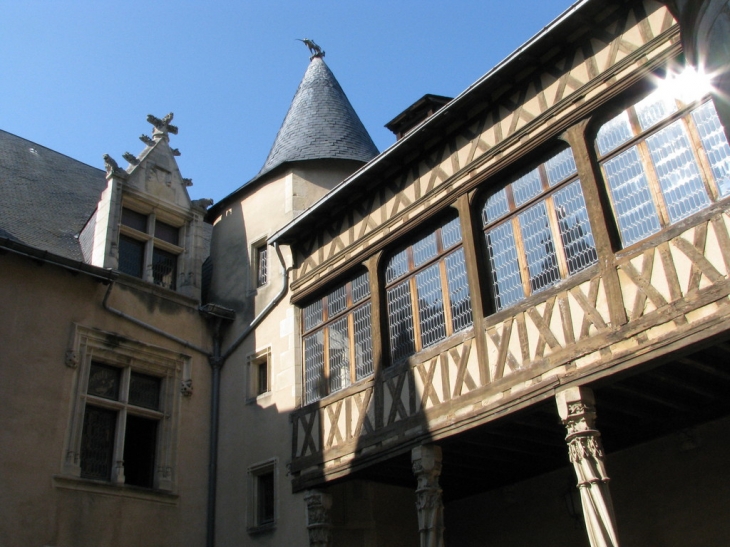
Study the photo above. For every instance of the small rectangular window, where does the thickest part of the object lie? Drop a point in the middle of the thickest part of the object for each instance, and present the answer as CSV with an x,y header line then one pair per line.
x,y
262,275
262,497
131,256
259,373
134,220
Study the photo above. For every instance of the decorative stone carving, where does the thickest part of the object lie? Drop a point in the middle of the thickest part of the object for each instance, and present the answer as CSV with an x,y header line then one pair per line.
x,y
203,203
147,140
175,152
162,126
112,168
186,387
576,407
426,462
318,520
131,158
72,359
187,182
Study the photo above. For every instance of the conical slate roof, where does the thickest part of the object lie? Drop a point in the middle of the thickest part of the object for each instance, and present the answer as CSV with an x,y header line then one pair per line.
x,y
320,124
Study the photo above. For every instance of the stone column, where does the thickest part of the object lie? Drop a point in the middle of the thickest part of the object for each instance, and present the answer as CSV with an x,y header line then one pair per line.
x,y
426,460
576,407
318,518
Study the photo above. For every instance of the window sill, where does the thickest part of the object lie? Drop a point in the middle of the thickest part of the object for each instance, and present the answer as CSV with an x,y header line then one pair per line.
x,y
259,399
262,529
107,489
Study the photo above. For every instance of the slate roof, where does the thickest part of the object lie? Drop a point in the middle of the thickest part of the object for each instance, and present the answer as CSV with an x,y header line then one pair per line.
x,y
320,124
45,197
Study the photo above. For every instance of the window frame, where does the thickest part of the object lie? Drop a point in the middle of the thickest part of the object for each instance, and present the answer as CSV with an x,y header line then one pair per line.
x,y
638,140
256,524
348,313
174,371
154,246
255,363
515,211
410,277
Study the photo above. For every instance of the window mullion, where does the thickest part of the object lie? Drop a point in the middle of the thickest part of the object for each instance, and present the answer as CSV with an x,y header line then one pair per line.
x,y
654,184
446,298
326,359
521,255
351,346
416,313
557,239
700,154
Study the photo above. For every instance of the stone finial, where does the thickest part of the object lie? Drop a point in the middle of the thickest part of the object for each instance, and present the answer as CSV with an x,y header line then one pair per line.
x,y
314,49
187,182
112,168
131,158
175,152
162,126
147,140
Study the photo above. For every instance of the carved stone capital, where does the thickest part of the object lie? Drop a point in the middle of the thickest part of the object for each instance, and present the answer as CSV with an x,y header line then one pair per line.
x,y
426,462
318,520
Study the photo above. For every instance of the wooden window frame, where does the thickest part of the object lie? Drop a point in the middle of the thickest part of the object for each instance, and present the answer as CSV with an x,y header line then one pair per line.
x,y
348,312
258,362
257,522
410,277
639,140
545,195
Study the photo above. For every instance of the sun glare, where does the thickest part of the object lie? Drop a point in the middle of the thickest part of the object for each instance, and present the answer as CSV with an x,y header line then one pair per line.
x,y
688,85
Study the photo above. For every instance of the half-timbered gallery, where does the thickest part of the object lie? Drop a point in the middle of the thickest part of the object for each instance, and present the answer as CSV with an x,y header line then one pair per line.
x,y
510,328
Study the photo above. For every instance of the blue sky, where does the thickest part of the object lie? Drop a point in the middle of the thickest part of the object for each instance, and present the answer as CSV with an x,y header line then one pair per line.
x,y
80,77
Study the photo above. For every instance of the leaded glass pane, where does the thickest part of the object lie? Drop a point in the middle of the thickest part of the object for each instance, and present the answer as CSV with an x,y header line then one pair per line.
x,y
314,386
424,250
397,266
360,288
715,144
400,322
560,167
363,342
97,443
144,390
451,233
676,167
654,109
164,268
542,262
104,381
636,212
575,230
461,317
504,266
495,207
614,133
526,187
131,256
313,315
336,301
339,355
430,306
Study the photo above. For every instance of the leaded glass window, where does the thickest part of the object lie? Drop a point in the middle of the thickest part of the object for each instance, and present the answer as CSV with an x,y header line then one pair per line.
x,y
337,339
537,230
663,161
427,291
117,398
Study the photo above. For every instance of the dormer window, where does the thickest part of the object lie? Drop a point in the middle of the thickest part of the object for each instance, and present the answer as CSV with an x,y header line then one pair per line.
x,y
148,248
